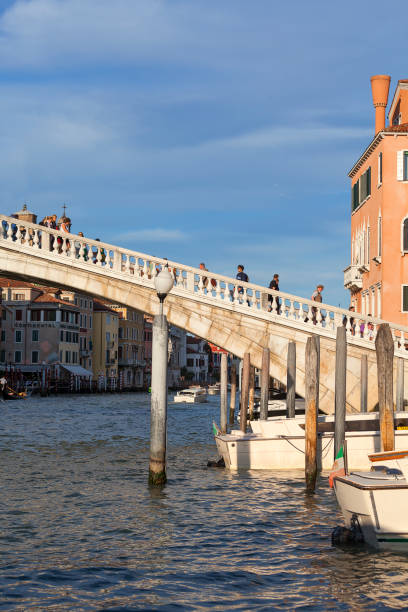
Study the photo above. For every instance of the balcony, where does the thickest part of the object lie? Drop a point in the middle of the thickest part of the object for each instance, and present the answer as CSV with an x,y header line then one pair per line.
x,y
132,362
84,353
352,279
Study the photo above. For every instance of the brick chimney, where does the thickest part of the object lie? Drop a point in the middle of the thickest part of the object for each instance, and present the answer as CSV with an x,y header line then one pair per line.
x,y
380,85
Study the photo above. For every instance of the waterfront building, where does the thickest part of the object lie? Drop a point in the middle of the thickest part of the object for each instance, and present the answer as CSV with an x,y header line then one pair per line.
x,y
197,358
177,356
84,304
148,336
38,327
105,335
130,346
377,276
214,365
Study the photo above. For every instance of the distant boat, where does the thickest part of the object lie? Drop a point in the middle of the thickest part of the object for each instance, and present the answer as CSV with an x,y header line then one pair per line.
x,y
214,389
193,395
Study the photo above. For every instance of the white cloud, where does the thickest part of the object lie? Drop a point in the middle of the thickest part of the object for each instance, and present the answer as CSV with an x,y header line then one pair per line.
x,y
154,235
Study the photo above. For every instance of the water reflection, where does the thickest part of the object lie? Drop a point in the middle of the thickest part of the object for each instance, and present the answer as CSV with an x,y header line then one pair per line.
x,y
82,530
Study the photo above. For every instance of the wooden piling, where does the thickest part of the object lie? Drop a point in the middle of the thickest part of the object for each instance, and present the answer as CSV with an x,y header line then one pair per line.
x,y
340,389
244,392
363,384
251,392
311,401
384,346
233,394
291,381
400,385
264,384
224,393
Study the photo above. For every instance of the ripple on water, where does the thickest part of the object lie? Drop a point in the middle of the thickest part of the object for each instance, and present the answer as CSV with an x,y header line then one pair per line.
x,y
82,530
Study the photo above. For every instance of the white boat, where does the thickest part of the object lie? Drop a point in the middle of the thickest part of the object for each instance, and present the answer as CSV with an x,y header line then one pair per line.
x,y
376,501
279,443
214,389
193,395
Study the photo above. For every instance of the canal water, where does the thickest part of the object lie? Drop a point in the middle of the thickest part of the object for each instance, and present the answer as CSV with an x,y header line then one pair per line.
x,y
81,530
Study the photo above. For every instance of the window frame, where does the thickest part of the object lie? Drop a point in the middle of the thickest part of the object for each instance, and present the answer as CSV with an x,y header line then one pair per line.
x,y
402,297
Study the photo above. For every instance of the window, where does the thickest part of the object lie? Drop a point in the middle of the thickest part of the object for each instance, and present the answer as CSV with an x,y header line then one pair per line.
x,y
17,357
34,357
397,114
2,356
108,319
90,322
36,315
19,335
405,235
379,233
61,336
361,190
19,297
380,169
402,165
67,356
107,336
3,335
19,315
120,332
50,315
404,298
34,335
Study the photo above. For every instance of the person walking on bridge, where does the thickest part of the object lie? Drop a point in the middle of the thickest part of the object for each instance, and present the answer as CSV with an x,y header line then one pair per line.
x,y
274,284
316,297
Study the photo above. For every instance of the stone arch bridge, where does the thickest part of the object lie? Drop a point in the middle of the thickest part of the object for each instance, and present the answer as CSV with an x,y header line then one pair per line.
x,y
234,315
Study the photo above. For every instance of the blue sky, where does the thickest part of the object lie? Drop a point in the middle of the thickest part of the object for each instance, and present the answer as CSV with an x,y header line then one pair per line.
x,y
197,130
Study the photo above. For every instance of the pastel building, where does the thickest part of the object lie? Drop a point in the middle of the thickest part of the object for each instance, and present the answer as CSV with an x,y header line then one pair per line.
x,y
377,277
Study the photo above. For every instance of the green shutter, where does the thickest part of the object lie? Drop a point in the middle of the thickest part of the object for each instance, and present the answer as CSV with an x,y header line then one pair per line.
x,y
368,181
405,298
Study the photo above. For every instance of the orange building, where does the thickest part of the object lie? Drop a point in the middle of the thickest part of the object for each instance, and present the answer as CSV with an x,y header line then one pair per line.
x,y
378,275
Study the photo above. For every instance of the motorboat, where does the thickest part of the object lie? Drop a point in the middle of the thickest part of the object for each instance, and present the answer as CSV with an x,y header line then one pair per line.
x,y
193,395
214,389
375,502
279,443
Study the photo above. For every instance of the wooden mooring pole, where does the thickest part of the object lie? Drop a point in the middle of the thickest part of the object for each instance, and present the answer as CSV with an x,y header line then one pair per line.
x,y
340,389
224,393
264,384
233,394
312,402
384,346
363,384
251,392
291,381
400,385
244,392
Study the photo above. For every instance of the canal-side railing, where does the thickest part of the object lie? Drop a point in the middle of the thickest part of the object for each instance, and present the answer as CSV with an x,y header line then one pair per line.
x,y
193,283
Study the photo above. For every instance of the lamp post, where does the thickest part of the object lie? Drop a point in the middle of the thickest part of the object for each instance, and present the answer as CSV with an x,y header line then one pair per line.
x,y
163,283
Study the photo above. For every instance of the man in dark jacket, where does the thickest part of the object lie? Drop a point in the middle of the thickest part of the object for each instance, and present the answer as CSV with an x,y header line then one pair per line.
x,y
274,284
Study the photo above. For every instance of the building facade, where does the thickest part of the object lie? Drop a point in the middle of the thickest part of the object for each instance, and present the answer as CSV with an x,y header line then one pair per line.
x,y
131,360
377,277
38,327
197,359
105,335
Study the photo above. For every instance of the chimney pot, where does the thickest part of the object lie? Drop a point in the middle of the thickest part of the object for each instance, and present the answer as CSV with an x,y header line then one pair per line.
x,y
380,86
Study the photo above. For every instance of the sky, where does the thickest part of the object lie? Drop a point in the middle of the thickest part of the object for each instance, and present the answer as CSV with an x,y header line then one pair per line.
x,y
197,130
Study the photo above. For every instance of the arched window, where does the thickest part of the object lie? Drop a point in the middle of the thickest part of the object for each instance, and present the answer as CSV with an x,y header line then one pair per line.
x,y
405,235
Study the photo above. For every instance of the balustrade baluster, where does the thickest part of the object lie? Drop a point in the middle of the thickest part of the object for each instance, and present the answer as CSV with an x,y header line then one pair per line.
x,y
10,232
18,236
200,285
36,239
218,292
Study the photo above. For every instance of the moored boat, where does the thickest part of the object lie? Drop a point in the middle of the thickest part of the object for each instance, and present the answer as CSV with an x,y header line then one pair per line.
x,y
375,502
193,395
279,443
214,389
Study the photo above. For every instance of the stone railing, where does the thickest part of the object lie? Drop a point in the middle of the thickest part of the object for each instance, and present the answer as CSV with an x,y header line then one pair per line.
x,y
193,283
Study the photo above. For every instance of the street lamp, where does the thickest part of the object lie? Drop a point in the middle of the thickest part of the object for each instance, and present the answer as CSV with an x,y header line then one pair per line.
x,y
163,284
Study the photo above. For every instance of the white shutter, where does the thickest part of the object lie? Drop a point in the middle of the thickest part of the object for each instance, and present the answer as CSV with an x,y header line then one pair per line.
x,y
400,165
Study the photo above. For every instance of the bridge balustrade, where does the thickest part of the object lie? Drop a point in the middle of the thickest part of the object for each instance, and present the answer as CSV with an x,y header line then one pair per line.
x,y
201,285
